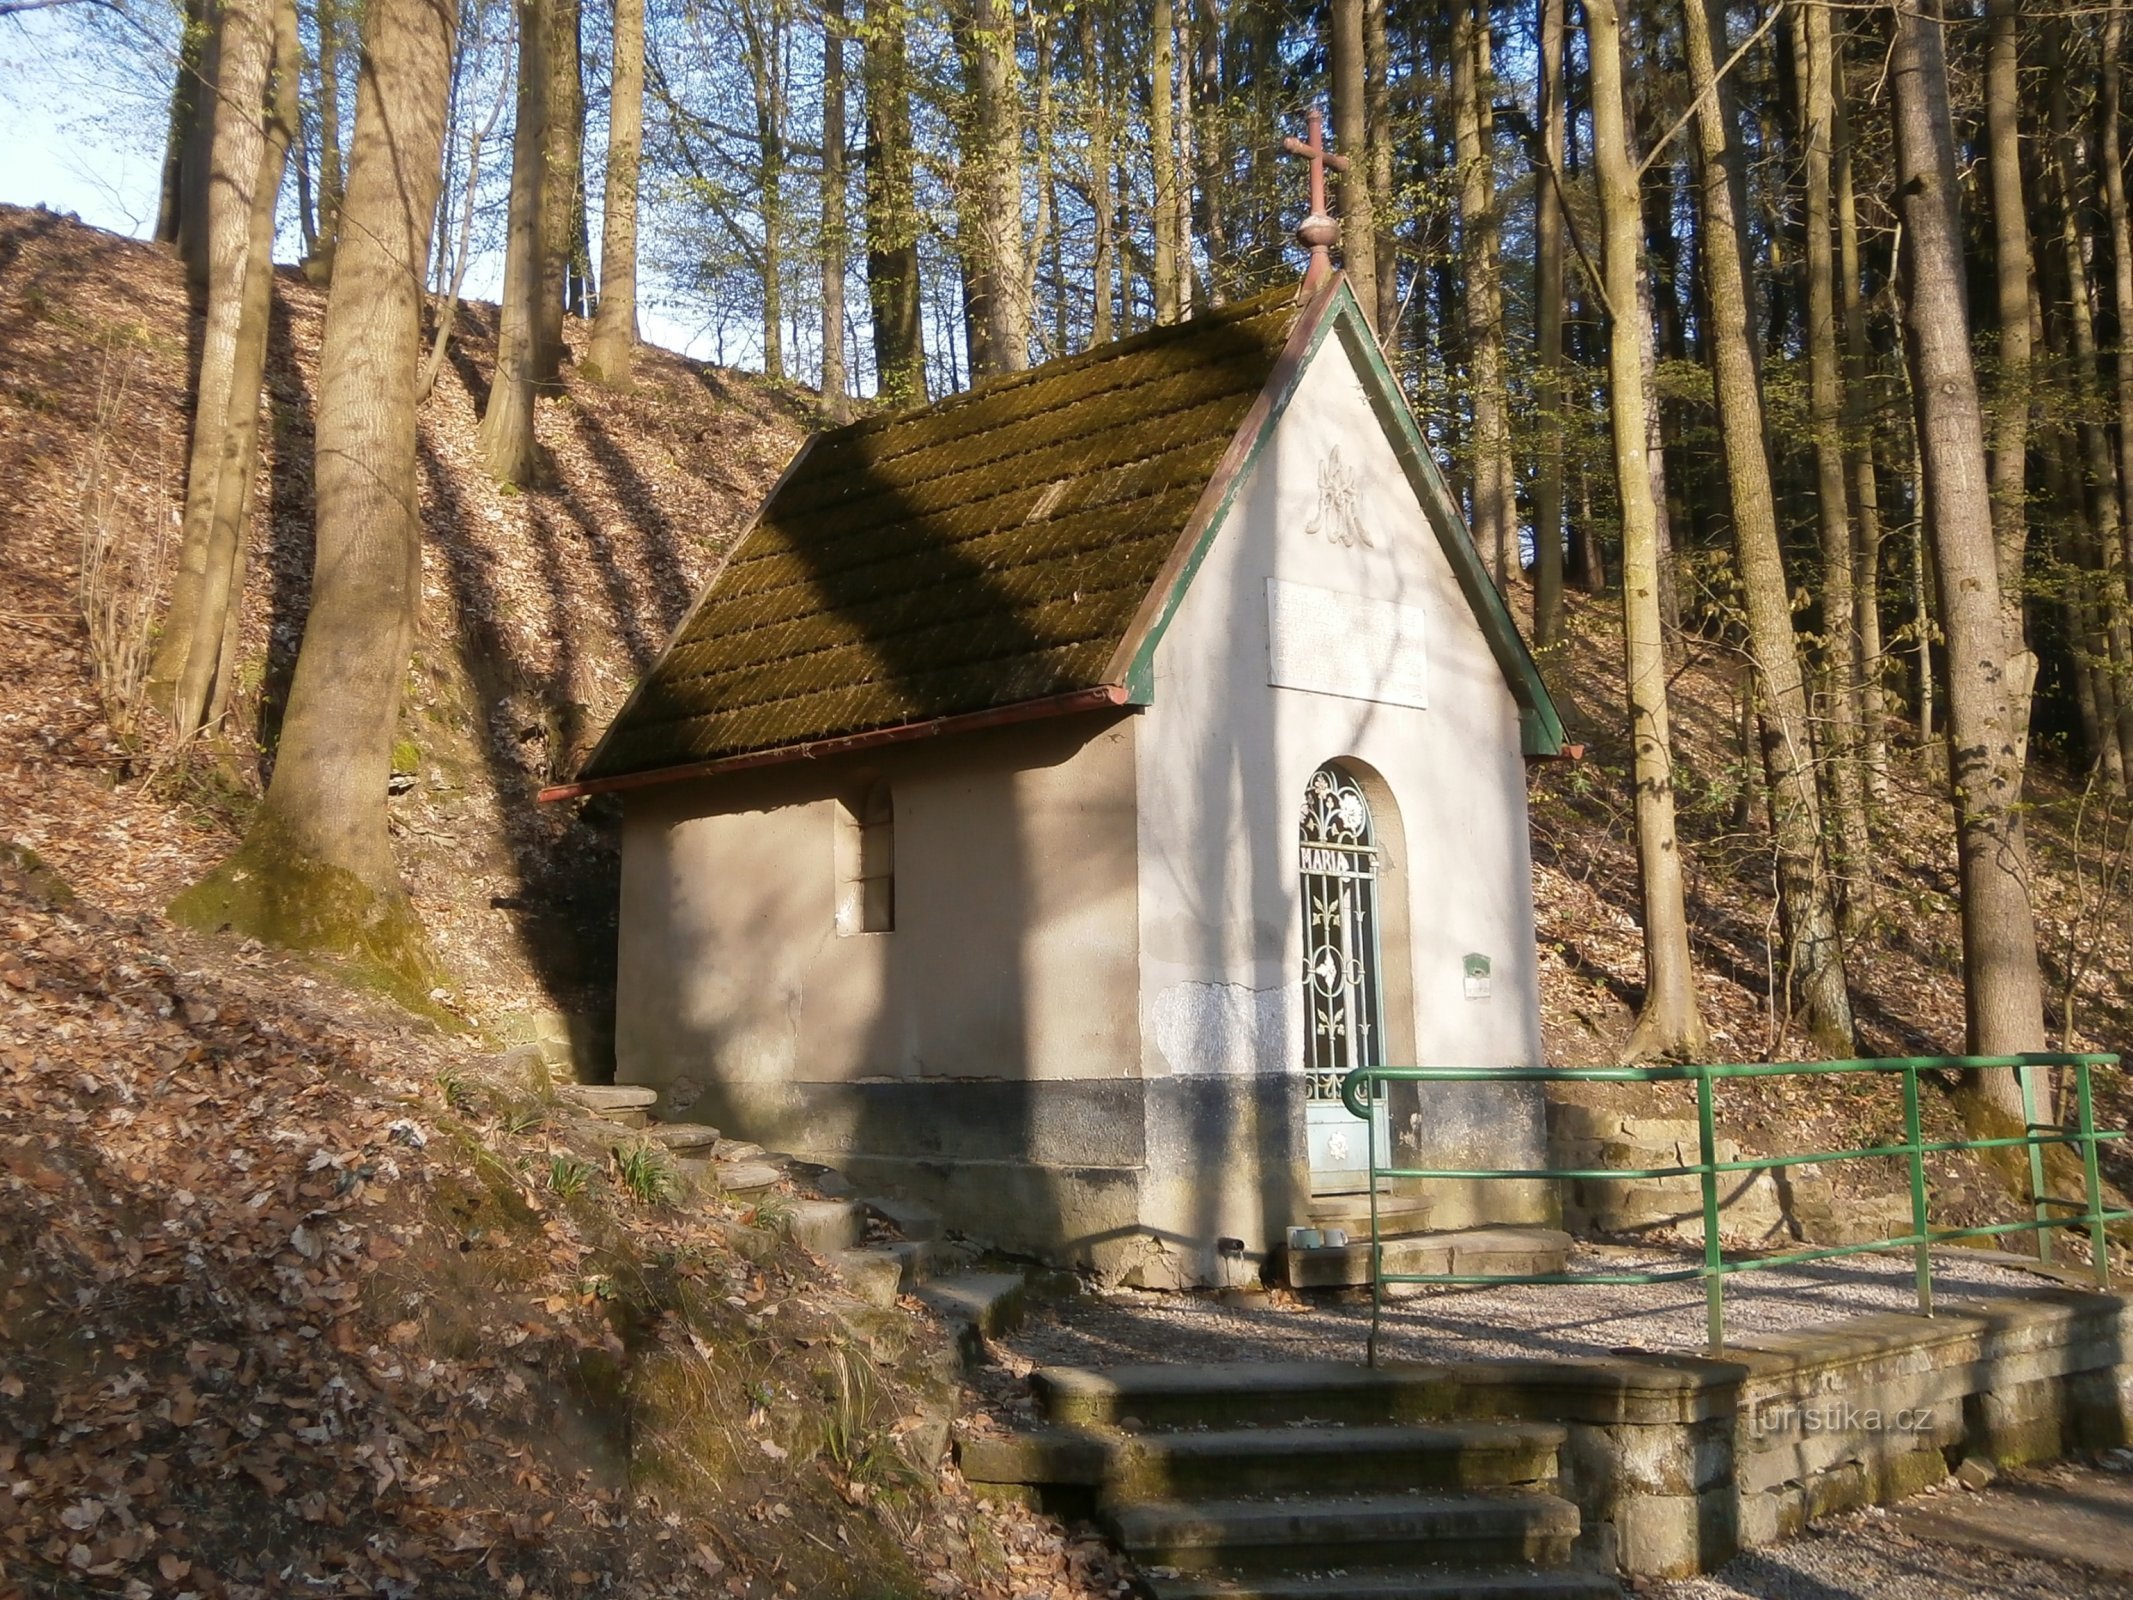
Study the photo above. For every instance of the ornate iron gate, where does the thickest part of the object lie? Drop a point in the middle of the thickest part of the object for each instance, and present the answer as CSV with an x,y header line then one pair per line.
x,y
1344,1017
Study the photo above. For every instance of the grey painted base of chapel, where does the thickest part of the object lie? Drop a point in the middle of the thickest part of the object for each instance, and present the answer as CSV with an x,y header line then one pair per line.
x,y
1137,1180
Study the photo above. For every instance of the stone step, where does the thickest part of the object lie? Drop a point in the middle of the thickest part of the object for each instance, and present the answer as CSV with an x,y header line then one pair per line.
x,y
823,1226
739,1150
1409,1583
732,1177
875,1276
1506,1251
1153,1396
988,1303
1350,1532
623,1103
1397,1213
1250,1461
911,1220
694,1137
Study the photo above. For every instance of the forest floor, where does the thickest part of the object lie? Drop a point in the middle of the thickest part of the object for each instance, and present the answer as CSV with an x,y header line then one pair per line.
x,y
248,1214
299,1295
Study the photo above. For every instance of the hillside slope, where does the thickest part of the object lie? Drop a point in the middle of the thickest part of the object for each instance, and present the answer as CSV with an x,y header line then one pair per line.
x,y
539,607
299,1295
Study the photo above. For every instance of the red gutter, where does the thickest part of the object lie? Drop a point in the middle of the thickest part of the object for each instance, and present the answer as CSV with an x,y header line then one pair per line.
x,y
1104,695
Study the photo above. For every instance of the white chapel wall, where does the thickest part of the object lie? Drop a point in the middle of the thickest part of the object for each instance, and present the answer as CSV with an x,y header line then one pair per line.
x,y
1012,956
1225,758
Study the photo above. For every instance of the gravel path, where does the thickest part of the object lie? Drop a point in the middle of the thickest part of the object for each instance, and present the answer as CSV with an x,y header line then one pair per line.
x,y
1475,1324
1872,1553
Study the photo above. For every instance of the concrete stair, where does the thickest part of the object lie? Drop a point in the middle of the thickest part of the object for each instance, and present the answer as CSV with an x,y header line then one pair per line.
x,y
1305,1482
1494,1251
882,1247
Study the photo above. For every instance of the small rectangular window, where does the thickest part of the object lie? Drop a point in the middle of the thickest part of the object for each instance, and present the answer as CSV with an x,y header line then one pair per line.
x,y
866,864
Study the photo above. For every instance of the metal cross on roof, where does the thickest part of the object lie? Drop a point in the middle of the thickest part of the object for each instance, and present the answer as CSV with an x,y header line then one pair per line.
x,y
1318,232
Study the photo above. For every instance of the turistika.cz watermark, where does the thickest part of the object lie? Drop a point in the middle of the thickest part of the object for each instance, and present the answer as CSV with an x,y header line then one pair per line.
x,y
1834,1416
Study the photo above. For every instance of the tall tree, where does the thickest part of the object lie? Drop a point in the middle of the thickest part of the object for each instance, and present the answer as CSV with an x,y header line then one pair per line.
x,y
891,207
331,179
254,114
614,333
1668,1022
1351,135
1825,406
1804,892
990,190
1550,395
316,868
507,441
1480,243
1162,140
1096,103
836,240
2011,262
2002,989
562,183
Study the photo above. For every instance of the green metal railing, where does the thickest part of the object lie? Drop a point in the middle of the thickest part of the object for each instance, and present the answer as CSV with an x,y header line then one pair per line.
x,y
1363,1093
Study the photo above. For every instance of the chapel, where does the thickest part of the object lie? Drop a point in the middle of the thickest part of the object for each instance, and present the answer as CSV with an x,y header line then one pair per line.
x,y
1061,786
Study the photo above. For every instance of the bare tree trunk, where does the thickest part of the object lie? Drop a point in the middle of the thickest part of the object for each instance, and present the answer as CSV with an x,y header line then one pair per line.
x,y
1840,642
995,256
197,158
836,239
2010,435
1351,136
1804,890
318,266
1495,511
507,442
2004,993
1859,462
1668,1022
239,147
1095,89
562,181
1550,398
316,867
2100,467
463,252
1162,136
189,99
766,69
203,689
1181,188
891,208
614,333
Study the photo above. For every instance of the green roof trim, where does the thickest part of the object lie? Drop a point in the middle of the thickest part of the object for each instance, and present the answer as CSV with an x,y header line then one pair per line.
x,y
1021,546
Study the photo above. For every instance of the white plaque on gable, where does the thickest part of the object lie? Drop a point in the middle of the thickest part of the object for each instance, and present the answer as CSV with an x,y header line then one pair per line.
x,y
1351,645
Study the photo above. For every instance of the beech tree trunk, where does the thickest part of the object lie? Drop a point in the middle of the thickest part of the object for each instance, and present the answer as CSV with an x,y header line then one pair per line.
x,y
1377,96
507,441
189,97
1495,507
331,179
1840,642
891,209
1859,463
991,189
225,406
1550,395
836,232
2010,433
562,183
316,869
614,332
2003,992
1096,99
1805,898
1351,137
1668,1023
1162,138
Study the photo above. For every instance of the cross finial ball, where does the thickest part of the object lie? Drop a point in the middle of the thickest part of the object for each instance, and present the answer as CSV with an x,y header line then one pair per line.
x,y
1318,232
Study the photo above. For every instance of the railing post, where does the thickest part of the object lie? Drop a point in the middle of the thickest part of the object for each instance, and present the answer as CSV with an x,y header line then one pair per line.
x,y
1377,1250
2036,1159
2099,1242
1714,1278
1913,1138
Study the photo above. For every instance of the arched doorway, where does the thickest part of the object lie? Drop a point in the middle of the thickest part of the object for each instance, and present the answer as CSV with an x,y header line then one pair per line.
x,y
1343,976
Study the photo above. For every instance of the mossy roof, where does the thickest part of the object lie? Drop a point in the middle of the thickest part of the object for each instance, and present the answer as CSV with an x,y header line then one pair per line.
x,y
984,552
